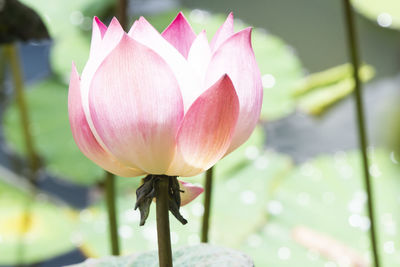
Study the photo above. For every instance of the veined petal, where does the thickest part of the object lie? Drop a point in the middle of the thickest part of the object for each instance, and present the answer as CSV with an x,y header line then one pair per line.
x,y
206,130
189,84
189,192
223,33
236,58
98,31
200,55
111,38
180,34
136,106
84,137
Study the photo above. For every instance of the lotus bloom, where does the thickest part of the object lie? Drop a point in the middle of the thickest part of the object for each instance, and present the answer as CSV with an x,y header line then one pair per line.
x,y
170,103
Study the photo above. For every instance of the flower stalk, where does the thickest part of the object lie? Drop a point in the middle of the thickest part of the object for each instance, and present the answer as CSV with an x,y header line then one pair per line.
x,y
163,230
207,205
112,213
354,55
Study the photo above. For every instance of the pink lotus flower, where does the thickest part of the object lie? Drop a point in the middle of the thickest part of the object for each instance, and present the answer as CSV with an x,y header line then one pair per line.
x,y
170,103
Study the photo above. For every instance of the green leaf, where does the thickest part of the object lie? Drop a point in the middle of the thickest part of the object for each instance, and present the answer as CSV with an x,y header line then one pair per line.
x,y
326,195
242,156
198,255
384,12
49,234
48,111
330,76
319,91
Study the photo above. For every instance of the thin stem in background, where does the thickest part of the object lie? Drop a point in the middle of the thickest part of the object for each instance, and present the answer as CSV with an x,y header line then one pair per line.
x,y
122,8
112,213
163,231
207,205
353,49
10,53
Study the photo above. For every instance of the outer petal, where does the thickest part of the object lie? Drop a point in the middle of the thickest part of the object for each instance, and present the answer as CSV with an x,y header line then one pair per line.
x,y
110,39
84,137
236,58
180,34
136,106
206,130
189,192
223,33
189,84
200,55
98,31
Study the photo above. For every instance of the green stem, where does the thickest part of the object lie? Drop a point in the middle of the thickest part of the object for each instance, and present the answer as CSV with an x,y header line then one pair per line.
x,y
112,213
207,205
163,231
11,53
353,49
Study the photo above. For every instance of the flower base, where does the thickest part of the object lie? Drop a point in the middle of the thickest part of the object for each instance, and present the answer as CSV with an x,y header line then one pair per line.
x,y
150,189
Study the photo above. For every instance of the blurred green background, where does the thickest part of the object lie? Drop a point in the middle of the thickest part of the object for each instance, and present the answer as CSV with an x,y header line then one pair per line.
x,y
294,189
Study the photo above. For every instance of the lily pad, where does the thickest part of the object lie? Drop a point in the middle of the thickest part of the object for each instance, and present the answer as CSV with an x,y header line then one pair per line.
x,y
47,235
386,13
198,255
323,203
47,102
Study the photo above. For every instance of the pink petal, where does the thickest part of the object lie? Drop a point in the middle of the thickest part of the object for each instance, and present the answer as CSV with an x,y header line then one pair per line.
x,y
200,55
84,137
236,58
136,106
206,130
98,31
190,192
110,39
189,84
223,33
180,34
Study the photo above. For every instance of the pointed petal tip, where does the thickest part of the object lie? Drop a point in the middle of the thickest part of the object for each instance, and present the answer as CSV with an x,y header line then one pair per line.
x,y
226,79
115,21
180,16
180,34
142,19
74,71
98,22
190,192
